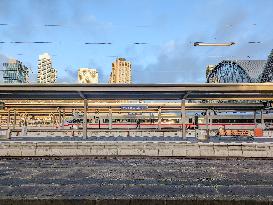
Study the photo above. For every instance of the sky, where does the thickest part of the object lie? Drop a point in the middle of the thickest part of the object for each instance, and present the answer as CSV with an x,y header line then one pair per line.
x,y
169,27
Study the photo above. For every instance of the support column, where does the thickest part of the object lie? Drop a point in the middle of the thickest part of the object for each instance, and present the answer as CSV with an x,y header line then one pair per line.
x,y
159,118
14,119
210,119
52,119
183,118
60,117
63,118
207,123
8,120
85,103
262,119
255,119
100,121
24,127
25,119
110,118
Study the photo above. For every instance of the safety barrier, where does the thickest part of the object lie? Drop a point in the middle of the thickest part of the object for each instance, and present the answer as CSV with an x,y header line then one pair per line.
x,y
147,148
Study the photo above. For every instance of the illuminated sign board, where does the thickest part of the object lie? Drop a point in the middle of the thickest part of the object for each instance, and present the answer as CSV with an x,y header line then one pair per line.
x,y
134,113
134,107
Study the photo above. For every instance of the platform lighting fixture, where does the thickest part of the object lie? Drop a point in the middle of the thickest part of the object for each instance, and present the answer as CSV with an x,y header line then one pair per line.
x,y
36,42
213,44
112,56
254,42
97,43
41,42
52,25
138,43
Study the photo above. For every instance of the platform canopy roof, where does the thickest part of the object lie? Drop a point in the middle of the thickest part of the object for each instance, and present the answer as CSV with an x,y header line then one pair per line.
x,y
41,107
244,91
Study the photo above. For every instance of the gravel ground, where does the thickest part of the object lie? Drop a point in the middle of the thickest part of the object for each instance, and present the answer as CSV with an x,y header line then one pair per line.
x,y
81,178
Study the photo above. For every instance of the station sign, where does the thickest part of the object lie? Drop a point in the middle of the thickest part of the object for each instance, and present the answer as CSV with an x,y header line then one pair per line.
x,y
134,113
134,107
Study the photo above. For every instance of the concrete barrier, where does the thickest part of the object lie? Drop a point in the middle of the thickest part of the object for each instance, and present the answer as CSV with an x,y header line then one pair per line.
x,y
34,131
249,150
206,149
270,150
122,148
221,149
235,150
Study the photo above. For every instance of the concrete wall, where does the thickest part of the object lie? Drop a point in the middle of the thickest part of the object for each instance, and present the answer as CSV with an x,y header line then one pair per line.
x,y
175,149
113,133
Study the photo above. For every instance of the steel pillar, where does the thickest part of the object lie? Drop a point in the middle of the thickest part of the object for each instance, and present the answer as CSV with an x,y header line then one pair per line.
x,y
60,117
100,121
262,119
63,118
207,124
85,103
8,121
53,119
110,118
25,119
210,120
159,118
14,119
183,118
255,119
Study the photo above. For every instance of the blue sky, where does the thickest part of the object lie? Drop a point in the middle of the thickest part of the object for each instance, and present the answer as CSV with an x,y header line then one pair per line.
x,y
168,26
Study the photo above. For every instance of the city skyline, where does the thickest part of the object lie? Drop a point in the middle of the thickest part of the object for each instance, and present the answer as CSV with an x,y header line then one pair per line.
x,y
158,42
46,74
122,71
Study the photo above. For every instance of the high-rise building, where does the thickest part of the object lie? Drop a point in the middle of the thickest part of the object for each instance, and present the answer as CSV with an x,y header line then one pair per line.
x,y
121,72
15,72
46,73
88,75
